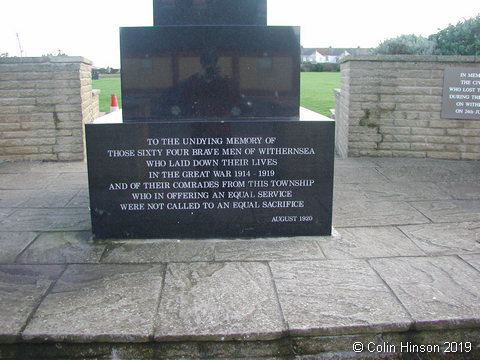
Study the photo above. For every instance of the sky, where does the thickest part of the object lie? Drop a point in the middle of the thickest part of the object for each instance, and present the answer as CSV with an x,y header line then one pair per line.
x,y
90,28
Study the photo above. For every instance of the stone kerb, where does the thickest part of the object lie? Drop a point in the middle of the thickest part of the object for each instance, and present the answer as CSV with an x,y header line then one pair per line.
x,y
391,106
44,102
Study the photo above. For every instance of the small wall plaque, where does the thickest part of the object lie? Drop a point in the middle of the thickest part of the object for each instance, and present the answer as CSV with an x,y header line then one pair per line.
x,y
461,93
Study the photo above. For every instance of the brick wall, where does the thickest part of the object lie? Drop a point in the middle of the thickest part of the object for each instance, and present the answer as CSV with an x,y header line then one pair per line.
x,y
390,106
44,103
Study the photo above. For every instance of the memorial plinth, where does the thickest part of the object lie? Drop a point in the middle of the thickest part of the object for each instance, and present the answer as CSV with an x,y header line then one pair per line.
x,y
211,179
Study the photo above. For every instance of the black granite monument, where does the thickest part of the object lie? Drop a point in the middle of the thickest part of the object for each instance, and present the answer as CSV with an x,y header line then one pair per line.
x,y
210,12
212,143
210,72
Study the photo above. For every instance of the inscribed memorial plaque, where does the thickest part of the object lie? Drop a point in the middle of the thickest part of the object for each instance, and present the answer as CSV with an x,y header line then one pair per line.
x,y
210,72
211,179
461,93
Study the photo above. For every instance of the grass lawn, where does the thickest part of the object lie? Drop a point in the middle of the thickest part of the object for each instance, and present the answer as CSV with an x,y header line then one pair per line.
x,y
108,84
316,90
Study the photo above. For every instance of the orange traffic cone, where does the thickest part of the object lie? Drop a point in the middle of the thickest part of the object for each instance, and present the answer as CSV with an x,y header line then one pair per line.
x,y
113,103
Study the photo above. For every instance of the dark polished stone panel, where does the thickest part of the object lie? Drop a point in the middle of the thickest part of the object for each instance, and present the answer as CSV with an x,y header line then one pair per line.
x,y
210,72
211,179
210,12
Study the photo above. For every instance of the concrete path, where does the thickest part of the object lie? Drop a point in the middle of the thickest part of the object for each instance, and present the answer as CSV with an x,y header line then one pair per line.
x,y
399,279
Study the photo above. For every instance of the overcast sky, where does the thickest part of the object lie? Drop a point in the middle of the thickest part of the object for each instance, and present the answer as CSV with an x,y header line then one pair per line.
x,y
89,28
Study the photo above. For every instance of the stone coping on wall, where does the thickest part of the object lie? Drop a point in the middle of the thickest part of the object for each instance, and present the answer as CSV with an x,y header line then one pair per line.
x,y
43,59
413,58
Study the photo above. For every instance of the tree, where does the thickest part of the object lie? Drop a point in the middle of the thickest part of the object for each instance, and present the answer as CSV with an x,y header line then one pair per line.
x,y
460,39
406,45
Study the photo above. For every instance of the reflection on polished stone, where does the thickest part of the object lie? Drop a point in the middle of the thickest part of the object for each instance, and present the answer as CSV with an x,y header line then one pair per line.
x,y
210,72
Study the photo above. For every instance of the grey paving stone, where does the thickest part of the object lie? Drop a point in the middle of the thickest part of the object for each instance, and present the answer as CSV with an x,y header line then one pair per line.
x,y
12,244
348,192
49,198
15,167
59,167
437,291
413,162
462,190
403,191
445,239
26,181
417,173
336,297
62,248
4,214
158,251
473,260
21,287
358,175
449,211
15,198
268,249
368,243
355,162
99,303
49,219
80,200
219,301
70,180
375,213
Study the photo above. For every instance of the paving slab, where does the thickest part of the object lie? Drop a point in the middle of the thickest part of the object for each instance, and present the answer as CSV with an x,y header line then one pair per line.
x,y
48,167
158,251
49,219
449,211
415,173
12,244
340,297
268,250
71,180
438,292
403,191
403,264
355,162
348,192
445,239
21,289
375,213
462,190
99,303
366,242
59,167
362,175
473,260
26,182
15,198
80,200
64,247
219,301
49,199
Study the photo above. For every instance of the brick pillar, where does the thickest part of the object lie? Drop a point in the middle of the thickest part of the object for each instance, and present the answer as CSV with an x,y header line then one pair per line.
x,y
44,103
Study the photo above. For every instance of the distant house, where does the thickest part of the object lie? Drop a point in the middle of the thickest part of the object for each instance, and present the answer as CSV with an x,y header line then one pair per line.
x,y
312,56
329,55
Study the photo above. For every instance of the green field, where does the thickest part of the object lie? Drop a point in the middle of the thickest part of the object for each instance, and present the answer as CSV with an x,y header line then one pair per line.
x,y
108,84
316,90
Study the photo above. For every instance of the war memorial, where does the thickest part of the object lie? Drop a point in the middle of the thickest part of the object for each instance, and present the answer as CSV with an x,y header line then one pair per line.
x,y
205,222
212,142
